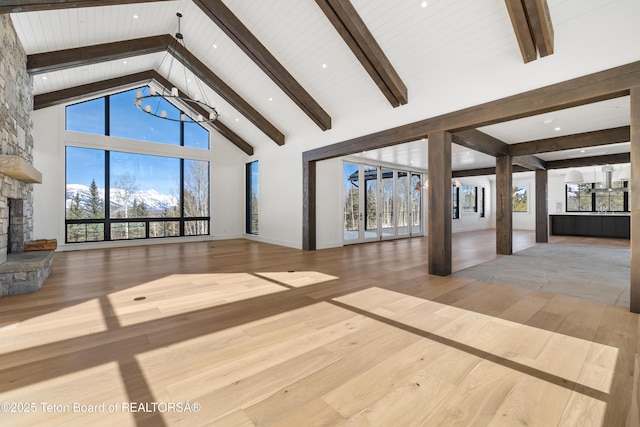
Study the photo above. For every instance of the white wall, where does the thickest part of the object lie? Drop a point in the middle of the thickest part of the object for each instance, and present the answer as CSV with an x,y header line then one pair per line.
x,y
50,139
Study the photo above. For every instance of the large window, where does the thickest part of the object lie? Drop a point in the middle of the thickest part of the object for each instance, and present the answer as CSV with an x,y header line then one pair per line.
x,y
590,197
520,198
116,115
252,198
113,195
469,198
117,195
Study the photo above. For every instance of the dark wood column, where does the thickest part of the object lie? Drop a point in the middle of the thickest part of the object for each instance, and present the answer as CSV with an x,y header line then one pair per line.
x,y
504,220
634,197
440,203
308,205
542,207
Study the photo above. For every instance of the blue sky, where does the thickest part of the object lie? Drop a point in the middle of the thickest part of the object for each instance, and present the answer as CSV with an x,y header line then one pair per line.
x,y
126,121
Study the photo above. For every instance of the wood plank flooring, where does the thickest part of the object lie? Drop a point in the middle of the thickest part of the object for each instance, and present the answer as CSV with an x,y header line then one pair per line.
x,y
240,333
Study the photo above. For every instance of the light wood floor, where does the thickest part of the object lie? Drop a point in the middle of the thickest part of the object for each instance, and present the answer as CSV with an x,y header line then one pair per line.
x,y
264,335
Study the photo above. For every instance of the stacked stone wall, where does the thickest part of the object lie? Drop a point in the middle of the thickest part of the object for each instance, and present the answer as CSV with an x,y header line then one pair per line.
x,y
16,106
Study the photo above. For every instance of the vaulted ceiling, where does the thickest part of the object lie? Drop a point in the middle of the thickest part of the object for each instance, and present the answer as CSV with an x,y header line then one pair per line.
x,y
281,68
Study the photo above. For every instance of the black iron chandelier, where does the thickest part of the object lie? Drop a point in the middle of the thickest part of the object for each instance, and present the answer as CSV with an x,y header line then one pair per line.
x,y
151,101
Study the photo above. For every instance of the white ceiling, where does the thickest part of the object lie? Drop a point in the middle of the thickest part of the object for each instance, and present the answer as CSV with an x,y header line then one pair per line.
x,y
450,55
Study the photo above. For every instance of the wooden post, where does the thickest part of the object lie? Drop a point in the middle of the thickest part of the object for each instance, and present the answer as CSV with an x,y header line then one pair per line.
x,y
504,220
308,205
542,208
440,213
634,197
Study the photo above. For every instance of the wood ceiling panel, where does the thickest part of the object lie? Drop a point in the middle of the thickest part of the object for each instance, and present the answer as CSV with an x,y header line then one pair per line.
x,y
36,5
357,36
240,34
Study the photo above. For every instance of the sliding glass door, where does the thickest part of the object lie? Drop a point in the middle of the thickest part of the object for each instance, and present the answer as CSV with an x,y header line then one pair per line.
x,y
380,203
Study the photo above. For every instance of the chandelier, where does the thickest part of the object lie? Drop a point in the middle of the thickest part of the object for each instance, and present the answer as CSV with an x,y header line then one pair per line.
x,y
151,101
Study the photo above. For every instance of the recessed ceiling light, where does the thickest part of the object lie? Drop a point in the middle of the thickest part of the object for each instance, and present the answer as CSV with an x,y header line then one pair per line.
x,y
135,16
124,62
423,4
215,46
557,128
324,65
270,99
548,121
583,151
188,80
237,120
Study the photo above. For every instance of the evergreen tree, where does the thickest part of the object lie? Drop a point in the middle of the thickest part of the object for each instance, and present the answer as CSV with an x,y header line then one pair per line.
x,y
139,209
75,210
96,203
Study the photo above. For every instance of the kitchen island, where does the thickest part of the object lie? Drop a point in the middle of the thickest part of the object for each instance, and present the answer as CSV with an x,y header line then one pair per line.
x,y
616,225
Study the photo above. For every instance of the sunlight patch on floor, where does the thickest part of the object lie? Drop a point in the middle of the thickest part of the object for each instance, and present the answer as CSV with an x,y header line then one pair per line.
x,y
298,279
185,293
586,363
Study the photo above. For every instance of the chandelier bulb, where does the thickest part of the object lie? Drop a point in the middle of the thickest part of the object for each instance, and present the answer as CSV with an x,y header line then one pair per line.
x,y
183,117
212,116
138,94
138,103
152,91
200,118
174,91
163,114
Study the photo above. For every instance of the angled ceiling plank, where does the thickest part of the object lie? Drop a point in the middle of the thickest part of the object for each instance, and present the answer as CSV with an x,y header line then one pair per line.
x,y
79,92
35,5
540,25
479,141
68,58
530,162
344,17
521,28
607,159
218,125
569,142
240,34
190,61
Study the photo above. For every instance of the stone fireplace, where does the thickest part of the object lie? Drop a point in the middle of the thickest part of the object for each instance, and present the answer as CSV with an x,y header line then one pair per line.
x,y
20,272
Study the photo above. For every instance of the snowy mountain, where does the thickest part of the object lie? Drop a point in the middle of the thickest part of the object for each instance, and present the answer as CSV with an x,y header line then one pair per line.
x,y
151,198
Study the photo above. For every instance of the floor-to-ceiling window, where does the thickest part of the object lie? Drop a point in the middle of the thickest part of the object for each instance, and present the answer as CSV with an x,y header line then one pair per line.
x,y
380,203
121,194
252,197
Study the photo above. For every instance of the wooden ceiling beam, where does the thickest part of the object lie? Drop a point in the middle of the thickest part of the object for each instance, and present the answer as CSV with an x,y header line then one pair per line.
x,y
77,93
209,78
36,5
530,162
218,125
69,58
570,142
607,159
258,53
80,92
480,141
344,17
540,25
484,171
600,86
520,25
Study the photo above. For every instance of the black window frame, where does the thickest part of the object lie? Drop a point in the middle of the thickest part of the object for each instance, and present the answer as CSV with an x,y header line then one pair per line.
x,y
455,201
594,207
249,216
